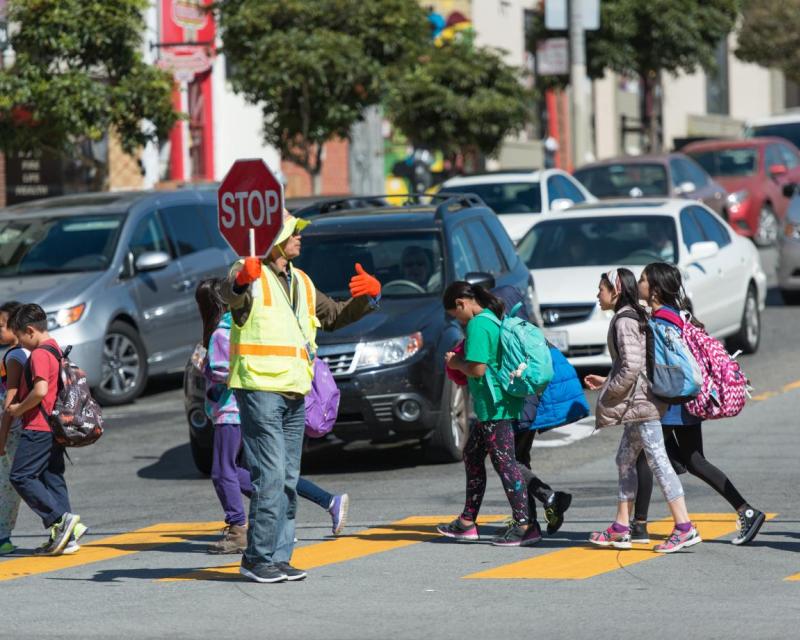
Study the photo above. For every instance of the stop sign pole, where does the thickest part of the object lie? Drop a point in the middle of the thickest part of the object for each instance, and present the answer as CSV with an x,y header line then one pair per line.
x,y
250,208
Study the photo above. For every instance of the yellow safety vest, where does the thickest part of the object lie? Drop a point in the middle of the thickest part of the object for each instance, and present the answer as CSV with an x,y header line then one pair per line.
x,y
270,352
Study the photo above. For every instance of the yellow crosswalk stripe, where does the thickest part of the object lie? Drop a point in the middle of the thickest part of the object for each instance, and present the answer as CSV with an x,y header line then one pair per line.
x,y
794,578
117,546
396,535
586,561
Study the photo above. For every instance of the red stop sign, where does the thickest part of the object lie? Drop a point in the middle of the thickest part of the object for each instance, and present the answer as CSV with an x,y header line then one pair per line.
x,y
250,207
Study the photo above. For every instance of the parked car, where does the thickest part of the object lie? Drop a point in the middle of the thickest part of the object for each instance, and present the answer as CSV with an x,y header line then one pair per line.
x,y
389,365
786,126
789,250
116,274
568,252
672,175
518,197
754,172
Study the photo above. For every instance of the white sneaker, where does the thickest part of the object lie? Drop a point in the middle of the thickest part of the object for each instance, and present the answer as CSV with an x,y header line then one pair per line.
x,y
72,547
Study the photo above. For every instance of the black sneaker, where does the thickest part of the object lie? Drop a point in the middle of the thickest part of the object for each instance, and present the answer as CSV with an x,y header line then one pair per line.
x,y
749,522
262,572
554,509
639,533
291,572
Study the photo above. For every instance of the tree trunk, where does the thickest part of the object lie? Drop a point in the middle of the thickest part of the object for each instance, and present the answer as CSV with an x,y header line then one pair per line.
x,y
648,113
316,181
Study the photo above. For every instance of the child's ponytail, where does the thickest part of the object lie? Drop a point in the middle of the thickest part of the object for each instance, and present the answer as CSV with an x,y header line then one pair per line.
x,y
209,301
461,289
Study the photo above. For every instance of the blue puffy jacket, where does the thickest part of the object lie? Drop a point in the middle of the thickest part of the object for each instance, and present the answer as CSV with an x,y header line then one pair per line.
x,y
563,401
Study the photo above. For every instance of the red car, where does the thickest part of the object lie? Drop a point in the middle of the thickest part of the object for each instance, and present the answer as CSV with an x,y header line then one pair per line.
x,y
753,171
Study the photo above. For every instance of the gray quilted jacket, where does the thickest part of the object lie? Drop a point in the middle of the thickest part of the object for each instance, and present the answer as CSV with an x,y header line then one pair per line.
x,y
626,396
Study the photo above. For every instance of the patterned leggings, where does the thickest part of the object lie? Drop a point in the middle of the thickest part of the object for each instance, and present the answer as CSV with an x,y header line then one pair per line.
x,y
9,498
495,438
646,436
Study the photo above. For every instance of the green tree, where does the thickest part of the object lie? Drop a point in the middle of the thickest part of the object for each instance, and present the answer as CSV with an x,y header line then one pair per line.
x,y
459,99
769,35
644,39
313,66
78,72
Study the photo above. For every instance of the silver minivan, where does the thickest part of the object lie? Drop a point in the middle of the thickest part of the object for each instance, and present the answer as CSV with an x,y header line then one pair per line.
x,y
116,274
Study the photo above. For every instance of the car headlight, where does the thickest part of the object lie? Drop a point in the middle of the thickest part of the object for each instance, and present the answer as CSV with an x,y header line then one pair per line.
x,y
65,317
792,230
391,351
738,197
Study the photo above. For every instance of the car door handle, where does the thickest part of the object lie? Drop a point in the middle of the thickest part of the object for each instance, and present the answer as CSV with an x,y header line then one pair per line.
x,y
183,285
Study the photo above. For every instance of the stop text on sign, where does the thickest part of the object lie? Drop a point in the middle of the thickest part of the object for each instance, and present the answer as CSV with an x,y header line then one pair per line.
x,y
248,208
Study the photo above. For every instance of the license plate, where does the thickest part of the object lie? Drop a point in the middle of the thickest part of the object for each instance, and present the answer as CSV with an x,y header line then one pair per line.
x,y
559,339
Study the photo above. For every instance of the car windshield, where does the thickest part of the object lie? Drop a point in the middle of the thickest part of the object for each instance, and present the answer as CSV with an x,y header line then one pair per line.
x,y
633,180
504,197
727,162
600,241
32,245
788,131
408,264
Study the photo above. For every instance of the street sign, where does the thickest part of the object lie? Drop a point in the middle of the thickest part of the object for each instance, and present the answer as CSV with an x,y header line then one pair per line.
x,y
250,208
556,14
552,57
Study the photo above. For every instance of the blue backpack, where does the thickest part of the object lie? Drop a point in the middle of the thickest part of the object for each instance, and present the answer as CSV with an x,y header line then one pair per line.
x,y
674,374
526,366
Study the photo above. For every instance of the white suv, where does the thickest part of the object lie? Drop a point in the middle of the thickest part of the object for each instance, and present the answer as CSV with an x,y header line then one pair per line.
x,y
518,197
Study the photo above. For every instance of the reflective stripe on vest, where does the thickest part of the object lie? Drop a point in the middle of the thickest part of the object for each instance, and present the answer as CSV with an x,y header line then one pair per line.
x,y
270,352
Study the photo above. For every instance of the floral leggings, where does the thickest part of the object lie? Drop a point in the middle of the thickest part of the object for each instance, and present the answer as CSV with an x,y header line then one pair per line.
x,y
495,438
9,498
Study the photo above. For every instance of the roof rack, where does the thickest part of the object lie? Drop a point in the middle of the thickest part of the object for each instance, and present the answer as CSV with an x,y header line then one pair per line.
x,y
346,203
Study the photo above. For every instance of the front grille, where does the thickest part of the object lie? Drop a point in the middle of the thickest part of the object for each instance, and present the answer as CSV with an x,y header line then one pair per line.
x,y
339,357
586,350
382,407
558,314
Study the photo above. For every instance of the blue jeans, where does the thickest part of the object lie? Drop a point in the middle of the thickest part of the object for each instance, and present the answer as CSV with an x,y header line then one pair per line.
x,y
310,491
272,439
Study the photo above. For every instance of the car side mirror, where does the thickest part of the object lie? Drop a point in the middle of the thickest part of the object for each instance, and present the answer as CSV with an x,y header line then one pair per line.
x,y
485,280
789,189
703,251
559,204
152,261
685,187
778,170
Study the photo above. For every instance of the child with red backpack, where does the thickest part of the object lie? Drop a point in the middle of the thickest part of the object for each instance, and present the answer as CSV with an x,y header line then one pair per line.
x,y
230,477
661,286
38,470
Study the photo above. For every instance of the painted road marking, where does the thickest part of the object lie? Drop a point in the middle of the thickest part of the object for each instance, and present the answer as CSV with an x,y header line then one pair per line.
x,y
794,578
396,535
117,546
585,561
791,386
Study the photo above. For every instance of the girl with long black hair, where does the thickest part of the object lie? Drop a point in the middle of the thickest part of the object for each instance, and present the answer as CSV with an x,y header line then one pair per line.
x,y
475,308
661,286
627,399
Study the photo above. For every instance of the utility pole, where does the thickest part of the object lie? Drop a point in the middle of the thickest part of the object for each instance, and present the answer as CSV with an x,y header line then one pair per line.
x,y
581,144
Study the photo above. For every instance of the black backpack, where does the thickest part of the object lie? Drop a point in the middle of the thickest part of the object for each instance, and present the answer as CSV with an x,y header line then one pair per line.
x,y
76,420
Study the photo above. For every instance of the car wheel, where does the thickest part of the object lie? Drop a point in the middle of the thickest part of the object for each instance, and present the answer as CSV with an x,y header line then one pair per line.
x,y
768,228
446,443
749,335
790,297
124,369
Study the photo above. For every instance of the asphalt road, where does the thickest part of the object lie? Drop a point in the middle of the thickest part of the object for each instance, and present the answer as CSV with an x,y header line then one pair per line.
x,y
152,514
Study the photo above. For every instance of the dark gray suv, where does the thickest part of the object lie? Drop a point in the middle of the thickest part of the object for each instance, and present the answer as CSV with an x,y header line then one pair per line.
x,y
116,274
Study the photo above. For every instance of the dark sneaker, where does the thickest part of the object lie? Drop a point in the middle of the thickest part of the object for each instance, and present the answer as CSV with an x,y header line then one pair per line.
x,y
291,572
458,531
338,511
62,532
533,535
262,572
47,548
554,510
749,522
639,533
512,535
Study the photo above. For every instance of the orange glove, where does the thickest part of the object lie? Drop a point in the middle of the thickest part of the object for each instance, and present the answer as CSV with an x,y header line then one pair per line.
x,y
250,271
363,284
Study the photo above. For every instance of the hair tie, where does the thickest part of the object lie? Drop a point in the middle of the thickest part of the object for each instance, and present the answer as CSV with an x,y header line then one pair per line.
x,y
615,280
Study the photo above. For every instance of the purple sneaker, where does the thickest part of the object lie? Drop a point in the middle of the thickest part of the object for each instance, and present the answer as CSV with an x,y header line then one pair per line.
x,y
338,511
458,531
678,541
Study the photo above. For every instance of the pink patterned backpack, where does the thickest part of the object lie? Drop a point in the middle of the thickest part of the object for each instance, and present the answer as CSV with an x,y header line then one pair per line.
x,y
725,387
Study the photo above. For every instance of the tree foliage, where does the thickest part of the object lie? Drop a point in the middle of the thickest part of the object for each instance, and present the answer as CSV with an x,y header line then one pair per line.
x,y
769,35
78,72
459,98
313,67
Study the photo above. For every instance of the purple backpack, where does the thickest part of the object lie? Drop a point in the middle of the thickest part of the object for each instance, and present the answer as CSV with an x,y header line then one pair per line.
x,y
322,402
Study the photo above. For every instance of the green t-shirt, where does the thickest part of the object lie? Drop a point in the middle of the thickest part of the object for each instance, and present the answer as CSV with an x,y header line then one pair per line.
x,y
483,347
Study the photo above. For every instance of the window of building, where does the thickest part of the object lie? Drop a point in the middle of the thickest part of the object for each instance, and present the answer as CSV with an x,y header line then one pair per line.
x,y
717,87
